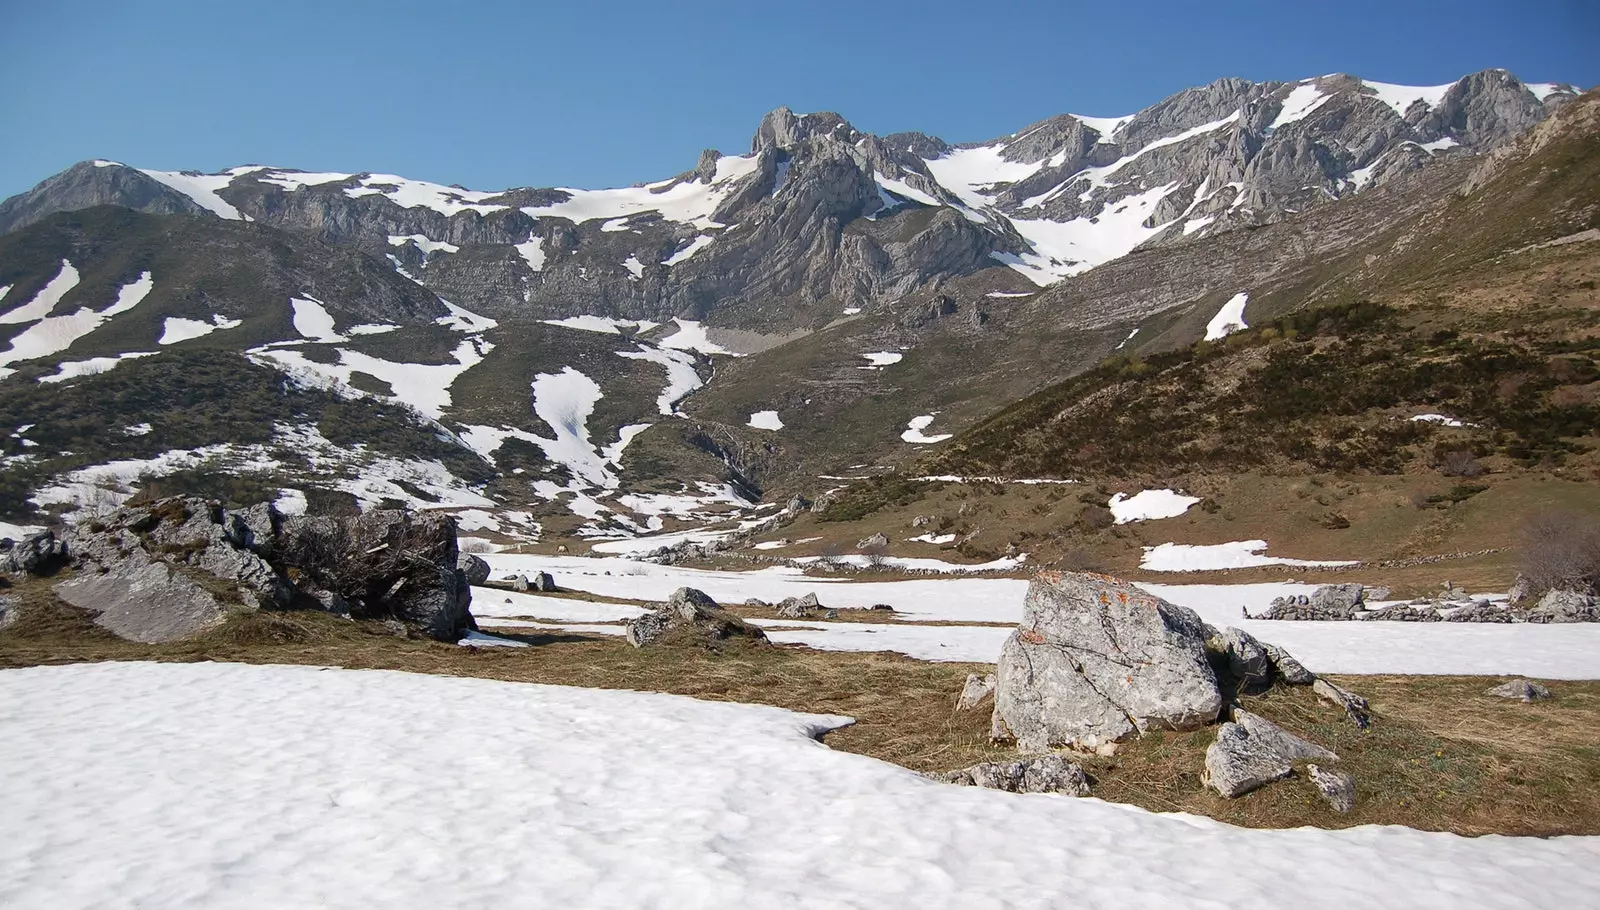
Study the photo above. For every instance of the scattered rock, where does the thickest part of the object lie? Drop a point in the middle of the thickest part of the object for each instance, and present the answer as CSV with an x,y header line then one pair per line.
x,y
792,608
875,541
689,615
922,521
1239,762
476,570
1288,669
1481,611
1403,613
1566,606
978,688
35,553
1039,774
1097,660
756,602
1354,705
1328,602
542,582
1524,689
1337,788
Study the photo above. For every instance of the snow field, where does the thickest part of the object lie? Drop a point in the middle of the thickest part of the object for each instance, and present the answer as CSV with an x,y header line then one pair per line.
x,y
223,785
1148,505
176,328
44,302
1229,319
914,431
1238,554
54,334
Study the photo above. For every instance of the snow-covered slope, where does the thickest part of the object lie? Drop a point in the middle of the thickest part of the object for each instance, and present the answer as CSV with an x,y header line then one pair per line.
x,y
218,785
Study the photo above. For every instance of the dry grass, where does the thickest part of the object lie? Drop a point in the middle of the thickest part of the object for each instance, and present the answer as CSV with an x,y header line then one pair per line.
x,y
1440,755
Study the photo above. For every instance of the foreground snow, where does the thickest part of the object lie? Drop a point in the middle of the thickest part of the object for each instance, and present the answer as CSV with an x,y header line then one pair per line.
x,y
217,785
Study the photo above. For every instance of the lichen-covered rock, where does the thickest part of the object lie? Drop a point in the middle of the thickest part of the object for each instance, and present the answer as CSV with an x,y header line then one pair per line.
x,y
1038,774
1238,762
1097,660
474,568
1337,788
977,689
1523,689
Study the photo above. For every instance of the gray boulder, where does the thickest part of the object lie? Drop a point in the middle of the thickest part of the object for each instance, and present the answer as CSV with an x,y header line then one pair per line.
x,y
1482,611
1280,740
1288,668
689,616
1096,661
977,689
798,607
1355,707
542,581
142,599
1566,606
876,541
1526,690
35,553
1337,788
474,568
10,611
1239,762
1039,774
1521,590
1328,602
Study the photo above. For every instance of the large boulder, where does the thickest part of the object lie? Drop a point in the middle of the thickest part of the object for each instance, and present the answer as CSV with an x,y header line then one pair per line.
x,y
385,564
1096,661
1038,774
143,599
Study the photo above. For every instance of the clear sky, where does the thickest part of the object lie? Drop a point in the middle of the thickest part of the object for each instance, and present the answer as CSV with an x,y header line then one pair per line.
x,y
502,93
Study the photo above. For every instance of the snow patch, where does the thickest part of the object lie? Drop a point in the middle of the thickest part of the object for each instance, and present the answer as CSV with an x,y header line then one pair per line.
x,y
45,301
696,245
421,241
202,188
1229,319
1149,505
1400,97
176,328
913,432
765,420
1239,554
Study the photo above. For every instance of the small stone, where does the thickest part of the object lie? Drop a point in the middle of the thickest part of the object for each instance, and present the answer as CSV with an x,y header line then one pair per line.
x,y
1288,669
1238,762
1337,788
1526,690
978,688
1354,705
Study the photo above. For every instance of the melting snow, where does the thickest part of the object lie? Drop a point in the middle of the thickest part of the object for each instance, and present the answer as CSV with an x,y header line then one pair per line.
x,y
1229,319
1148,505
532,252
1437,418
54,334
613,452
682,378
176,328
605,325
696,245
692,336
446,200
689,201
765,420
294,180
1401,97
1299,104
884,358
565,400
428,247
45,301
94,366
312,320
202,188
634,266
914,428
1239,554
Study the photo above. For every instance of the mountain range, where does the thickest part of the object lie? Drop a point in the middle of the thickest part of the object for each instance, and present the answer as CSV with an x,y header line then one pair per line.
x,y
607,362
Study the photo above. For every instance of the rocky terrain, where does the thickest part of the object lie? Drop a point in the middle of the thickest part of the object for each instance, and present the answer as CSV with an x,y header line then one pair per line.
x,y
526,359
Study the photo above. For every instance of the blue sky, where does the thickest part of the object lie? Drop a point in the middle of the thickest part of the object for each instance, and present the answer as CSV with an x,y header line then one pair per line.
x,y
498,94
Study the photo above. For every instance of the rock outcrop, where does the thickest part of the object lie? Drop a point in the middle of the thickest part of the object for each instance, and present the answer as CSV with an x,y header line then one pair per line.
x,y
1096,661
176,567
36,554
689,616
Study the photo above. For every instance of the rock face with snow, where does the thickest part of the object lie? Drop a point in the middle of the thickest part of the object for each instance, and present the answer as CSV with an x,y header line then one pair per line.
x,y
1096,661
